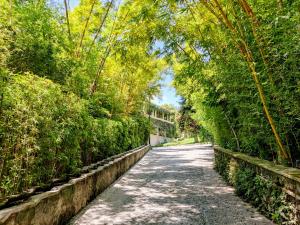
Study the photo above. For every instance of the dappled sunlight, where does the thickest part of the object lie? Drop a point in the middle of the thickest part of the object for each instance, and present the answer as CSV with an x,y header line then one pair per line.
x,y
172,185
79,84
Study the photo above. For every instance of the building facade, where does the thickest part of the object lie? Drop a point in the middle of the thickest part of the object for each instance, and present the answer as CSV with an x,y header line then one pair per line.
x,y
163,127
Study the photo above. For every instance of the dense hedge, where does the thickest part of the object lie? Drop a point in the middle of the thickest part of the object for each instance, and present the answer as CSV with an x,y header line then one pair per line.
x,y
47,133
253,187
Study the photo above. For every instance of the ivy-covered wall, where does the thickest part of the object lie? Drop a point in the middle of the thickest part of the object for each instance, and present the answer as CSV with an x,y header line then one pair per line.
x,y
163,128
273,189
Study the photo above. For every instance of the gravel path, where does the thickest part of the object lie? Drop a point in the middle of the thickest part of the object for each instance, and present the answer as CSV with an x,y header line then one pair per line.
x,y
171,185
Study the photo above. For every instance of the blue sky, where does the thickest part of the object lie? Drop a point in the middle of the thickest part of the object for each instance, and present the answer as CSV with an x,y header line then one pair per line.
x,y
73,3
168,93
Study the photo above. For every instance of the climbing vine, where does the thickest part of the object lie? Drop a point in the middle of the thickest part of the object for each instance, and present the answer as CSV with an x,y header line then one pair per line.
x,y
267,196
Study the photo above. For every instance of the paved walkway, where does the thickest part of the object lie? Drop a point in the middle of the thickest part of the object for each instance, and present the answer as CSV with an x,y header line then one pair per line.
x,y
171,185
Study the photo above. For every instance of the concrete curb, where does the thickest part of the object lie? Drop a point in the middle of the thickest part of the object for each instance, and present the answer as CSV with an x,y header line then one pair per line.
x,y
61,203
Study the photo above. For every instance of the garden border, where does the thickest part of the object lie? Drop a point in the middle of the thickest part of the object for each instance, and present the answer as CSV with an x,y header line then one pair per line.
x,y
61,203
285,178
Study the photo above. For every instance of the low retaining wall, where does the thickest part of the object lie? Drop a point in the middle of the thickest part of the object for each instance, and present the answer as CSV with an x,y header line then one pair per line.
x,y
63,202
156,139
273,189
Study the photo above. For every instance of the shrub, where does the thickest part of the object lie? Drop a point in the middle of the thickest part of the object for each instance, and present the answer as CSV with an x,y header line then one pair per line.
x,y
256,189
40,129
46,133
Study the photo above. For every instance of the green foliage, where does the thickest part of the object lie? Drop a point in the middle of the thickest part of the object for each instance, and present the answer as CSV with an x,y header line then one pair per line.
x,y
164,129
185,141
39,44
185,122
257,189
265,195
46,133
238,68
73,82
222,165
40,130
71,90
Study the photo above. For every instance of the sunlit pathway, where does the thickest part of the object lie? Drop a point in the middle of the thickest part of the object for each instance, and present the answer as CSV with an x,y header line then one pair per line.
x,y
171,185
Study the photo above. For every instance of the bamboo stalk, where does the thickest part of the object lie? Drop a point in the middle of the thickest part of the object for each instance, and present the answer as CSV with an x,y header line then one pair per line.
x,y
100,69
254,26
10,12
247,9
195,52
246,52
67,17
112,38
224,15
200,33
282,151
184,51
85,28
233,132
101,25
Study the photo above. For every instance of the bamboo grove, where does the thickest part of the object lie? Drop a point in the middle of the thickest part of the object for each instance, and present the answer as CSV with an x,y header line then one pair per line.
x,y
74,79
73,85
237,64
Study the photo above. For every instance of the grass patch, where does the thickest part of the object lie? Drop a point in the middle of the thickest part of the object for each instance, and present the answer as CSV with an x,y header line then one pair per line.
x,y
179,142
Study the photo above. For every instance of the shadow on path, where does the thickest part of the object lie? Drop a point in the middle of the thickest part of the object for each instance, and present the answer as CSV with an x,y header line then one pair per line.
x,y
171,185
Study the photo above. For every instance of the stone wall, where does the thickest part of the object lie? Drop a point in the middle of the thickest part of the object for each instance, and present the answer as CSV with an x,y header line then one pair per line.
x,y
273,189
63,202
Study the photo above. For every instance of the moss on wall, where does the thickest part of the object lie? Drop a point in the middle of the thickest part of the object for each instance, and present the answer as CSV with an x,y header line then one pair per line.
x,y
264,189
